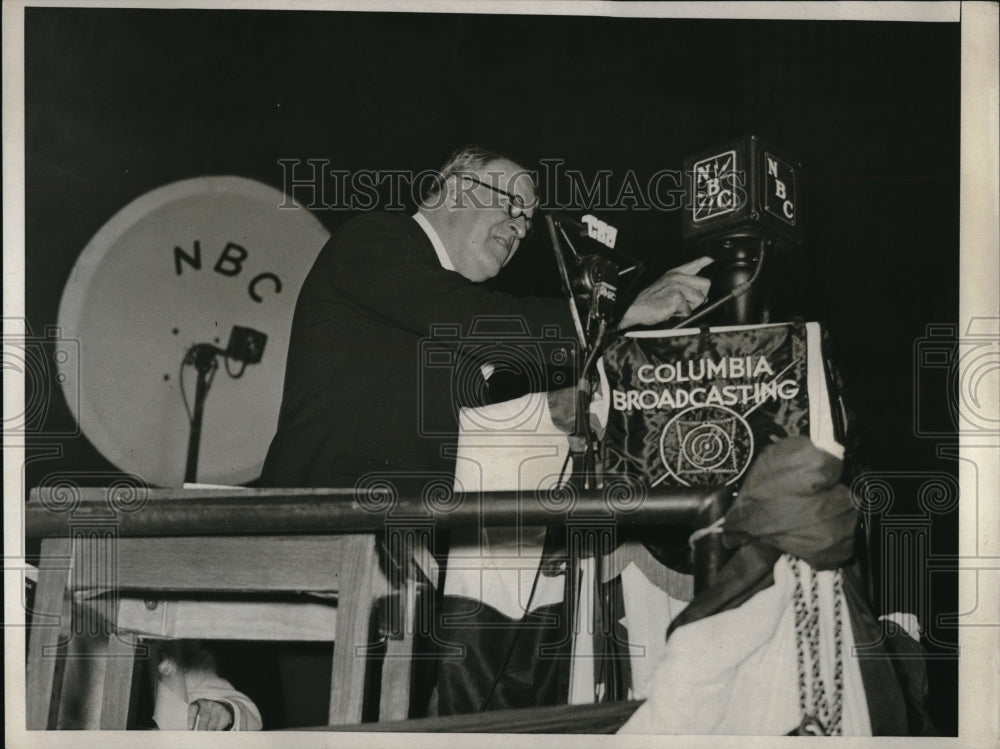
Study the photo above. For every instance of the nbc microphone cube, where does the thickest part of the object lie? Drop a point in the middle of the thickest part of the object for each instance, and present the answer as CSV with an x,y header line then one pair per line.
x,y
743,188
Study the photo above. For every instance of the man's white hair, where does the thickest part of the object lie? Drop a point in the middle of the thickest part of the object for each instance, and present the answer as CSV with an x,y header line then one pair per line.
x,y
467,159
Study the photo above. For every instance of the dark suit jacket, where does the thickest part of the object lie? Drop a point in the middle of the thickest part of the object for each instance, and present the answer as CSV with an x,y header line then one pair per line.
x,y
367,389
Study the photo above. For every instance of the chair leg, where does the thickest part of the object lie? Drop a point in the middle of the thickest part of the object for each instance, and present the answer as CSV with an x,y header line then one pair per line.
x,y
394,702
354,611
49,624
120,682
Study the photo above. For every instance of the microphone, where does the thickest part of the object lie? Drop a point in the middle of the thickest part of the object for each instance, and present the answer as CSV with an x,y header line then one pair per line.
x,y
743,189
245,346
741,201
597,271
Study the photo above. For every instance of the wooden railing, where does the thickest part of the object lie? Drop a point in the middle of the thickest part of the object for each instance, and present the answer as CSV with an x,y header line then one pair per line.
x,y
137,524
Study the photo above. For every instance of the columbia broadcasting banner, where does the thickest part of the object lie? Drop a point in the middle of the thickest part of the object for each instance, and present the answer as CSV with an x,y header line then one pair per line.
x,y
695,407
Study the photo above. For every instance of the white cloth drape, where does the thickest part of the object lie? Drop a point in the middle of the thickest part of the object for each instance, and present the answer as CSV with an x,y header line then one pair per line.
x,y
736,673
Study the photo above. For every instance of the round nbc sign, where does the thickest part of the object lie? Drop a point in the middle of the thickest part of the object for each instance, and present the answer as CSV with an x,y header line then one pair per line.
x,y
214,261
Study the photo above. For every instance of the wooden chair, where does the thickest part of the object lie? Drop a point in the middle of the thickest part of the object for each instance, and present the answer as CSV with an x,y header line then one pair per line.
x,y
165,572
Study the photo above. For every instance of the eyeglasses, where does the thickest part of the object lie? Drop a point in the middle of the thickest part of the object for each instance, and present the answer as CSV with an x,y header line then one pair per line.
x,y
515,203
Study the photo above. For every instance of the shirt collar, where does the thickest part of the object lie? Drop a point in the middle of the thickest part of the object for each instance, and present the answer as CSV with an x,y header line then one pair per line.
x,y
431,232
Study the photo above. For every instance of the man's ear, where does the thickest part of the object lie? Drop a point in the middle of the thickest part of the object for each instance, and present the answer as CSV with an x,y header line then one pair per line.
x,y
451,192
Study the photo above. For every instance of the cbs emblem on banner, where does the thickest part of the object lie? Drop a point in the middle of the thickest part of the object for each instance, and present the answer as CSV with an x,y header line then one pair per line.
x,y
705,445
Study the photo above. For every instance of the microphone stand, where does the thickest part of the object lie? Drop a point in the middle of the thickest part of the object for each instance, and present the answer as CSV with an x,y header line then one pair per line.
x,y
592,341
203,357
583,446
246,346
587,473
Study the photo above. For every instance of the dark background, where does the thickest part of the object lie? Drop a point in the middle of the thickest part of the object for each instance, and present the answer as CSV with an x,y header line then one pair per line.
x,y
119,102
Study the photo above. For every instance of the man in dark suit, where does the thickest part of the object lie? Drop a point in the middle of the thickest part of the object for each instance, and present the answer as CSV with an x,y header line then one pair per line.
x,y
358,398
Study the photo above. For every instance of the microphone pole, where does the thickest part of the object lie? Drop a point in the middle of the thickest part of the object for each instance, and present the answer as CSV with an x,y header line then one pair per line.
x,y
738,291
246,346
203,357
746,257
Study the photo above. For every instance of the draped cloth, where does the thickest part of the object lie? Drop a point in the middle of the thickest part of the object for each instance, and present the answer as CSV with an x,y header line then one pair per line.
x,y
791,502
730,662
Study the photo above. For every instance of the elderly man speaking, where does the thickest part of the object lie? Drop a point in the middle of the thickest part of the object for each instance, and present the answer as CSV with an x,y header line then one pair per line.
x,y
355,399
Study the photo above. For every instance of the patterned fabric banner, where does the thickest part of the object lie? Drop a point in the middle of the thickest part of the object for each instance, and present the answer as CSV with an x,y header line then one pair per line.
x,y
694,408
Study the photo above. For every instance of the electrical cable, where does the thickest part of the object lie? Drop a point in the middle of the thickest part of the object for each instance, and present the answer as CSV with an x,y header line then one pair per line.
x,y
737,292
517,633
210,376
565,465
564,280
180,379
229,372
